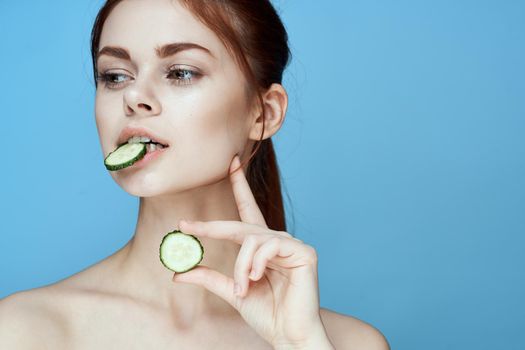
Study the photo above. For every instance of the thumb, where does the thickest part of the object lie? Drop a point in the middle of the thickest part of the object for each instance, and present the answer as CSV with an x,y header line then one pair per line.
x,y
212,280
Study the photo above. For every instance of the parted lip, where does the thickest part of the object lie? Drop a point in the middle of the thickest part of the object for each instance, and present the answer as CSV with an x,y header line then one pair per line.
x,y
130,131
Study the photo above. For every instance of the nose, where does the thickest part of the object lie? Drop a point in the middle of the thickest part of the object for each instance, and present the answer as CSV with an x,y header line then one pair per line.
x,y
139,101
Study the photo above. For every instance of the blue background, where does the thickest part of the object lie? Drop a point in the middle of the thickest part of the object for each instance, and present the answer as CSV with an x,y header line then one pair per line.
x,y
403,154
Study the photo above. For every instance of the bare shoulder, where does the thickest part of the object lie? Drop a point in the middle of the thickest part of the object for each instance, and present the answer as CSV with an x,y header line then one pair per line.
x,y
28,320
347,332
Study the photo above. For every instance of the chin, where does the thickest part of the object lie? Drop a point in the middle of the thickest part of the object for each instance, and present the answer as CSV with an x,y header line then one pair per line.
x,y
148,185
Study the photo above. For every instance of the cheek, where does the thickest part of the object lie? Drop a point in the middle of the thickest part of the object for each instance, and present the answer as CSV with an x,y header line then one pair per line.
x,y
212,134
207,145
108,126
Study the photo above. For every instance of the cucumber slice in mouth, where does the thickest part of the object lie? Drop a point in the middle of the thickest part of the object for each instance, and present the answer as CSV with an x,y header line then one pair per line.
x,y
125,155
180,252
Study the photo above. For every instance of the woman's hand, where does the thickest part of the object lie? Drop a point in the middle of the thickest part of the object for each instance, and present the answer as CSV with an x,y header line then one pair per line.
x,y
276,274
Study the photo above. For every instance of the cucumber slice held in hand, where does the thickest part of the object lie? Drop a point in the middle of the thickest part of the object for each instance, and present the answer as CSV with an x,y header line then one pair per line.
x,y
125,155
180,252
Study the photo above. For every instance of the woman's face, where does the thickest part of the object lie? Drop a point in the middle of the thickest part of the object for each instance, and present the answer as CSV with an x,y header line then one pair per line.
x,y
199,108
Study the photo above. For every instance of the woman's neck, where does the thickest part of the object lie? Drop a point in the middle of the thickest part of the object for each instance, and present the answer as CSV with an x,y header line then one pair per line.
x,y
141,271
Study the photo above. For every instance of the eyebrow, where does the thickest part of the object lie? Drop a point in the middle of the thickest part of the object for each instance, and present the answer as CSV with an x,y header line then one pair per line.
x,y
162,52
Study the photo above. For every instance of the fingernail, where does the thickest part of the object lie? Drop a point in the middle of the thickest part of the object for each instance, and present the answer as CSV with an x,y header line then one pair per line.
x,y
252,274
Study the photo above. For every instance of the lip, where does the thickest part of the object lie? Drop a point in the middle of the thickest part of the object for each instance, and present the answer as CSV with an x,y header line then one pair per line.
x,y
146,159
130,131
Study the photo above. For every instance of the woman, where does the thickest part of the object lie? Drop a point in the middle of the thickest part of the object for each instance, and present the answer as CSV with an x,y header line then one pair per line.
x,y
204,79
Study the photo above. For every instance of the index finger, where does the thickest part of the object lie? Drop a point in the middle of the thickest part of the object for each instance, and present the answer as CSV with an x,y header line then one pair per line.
x,y
249,211
235,231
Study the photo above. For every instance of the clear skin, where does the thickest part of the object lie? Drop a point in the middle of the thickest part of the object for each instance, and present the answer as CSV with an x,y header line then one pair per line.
x,y
211,128
192,180
206,123
209,125
206,130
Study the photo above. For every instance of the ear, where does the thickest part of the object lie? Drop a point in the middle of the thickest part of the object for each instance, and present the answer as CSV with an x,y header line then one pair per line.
x,y
275,101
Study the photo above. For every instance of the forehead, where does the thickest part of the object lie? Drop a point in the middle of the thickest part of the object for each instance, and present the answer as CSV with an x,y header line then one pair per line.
x,y
142,25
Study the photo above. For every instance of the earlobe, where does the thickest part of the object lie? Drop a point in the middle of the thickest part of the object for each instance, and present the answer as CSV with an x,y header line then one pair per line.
x,y
275,101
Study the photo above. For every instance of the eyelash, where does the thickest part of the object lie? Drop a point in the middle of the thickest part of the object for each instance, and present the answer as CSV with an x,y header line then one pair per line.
x,y
106,77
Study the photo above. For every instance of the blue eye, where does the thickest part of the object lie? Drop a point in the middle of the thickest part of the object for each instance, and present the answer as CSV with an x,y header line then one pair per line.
x,y
182,76
109,79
